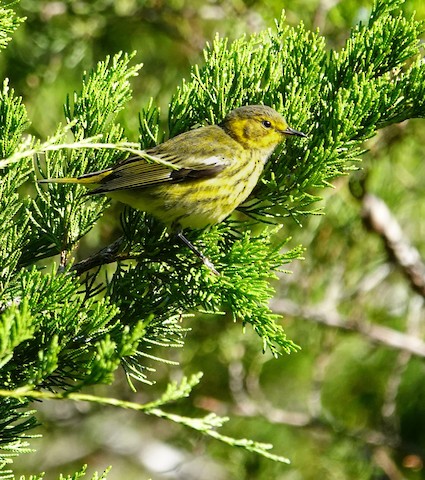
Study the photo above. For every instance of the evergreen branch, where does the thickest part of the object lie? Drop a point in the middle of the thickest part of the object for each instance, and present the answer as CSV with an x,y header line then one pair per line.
x,y
206,425
85,143
104,93
13,121
80,474
9,22
174,392
28,393
53,336
35,146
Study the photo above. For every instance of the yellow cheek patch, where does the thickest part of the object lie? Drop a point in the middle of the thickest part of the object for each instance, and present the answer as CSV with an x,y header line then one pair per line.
x,y
252,135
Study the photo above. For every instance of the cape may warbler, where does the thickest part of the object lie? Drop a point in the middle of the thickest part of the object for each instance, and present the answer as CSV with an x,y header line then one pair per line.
x,y
211,171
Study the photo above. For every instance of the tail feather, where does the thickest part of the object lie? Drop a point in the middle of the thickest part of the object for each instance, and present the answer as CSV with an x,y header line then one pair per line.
x,y
87,179
59,180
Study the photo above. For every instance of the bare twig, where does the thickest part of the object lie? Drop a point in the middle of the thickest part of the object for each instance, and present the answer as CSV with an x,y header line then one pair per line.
x,y
382,458
378,217
377,333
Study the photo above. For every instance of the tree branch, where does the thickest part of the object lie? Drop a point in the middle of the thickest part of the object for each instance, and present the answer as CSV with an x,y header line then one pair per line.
x,y
377,333
378,217
107,255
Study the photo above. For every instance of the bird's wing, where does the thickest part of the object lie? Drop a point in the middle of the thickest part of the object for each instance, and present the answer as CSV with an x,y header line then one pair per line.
x,y
137,172
196,154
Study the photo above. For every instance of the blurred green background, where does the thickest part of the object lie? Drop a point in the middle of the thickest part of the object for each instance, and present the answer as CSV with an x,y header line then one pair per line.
x,y
345,406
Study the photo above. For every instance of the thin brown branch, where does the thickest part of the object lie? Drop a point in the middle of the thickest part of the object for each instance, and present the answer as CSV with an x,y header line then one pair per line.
x,y
378,217
377,333
382,458
107,255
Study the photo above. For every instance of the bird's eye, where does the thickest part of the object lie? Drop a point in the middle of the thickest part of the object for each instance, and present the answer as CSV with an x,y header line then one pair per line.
x,y
267,124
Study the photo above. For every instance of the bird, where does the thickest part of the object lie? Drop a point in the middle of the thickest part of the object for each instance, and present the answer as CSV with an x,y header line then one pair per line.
x,y
197,178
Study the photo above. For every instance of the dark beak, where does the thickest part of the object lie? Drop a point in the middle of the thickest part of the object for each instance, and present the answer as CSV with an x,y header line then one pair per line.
x,y
291,131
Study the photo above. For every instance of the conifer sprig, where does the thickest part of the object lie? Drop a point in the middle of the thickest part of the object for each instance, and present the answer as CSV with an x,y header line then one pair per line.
x,y
59,333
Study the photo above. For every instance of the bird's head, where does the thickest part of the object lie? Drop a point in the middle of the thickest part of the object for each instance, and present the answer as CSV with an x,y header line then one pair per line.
x,y
257,127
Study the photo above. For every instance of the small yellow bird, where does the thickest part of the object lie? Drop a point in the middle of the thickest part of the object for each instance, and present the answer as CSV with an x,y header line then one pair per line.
x,y
211,171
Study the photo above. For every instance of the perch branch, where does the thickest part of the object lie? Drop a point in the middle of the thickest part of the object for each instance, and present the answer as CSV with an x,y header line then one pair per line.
x,y
107,255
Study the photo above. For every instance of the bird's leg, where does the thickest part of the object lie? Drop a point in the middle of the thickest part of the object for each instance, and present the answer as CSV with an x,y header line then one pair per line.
x,y
206,261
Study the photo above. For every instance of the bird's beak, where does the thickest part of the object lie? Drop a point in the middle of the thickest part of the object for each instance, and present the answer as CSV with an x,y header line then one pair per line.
x,y
291,131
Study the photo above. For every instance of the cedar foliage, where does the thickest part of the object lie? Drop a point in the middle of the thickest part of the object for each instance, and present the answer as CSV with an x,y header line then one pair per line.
x,y
60,333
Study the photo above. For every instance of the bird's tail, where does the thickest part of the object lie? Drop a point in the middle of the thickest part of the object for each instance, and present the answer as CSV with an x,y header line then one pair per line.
x,y
87,179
